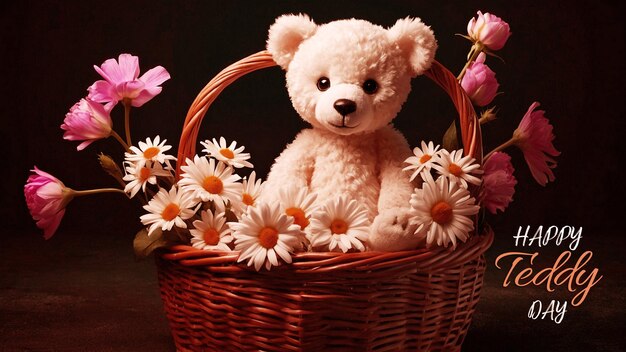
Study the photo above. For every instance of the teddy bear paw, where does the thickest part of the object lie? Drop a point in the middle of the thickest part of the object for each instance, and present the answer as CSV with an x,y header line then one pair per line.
x,y
392,230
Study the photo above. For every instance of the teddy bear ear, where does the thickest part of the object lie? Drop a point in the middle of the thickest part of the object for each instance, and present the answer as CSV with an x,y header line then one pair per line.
x,y
417,42
286,35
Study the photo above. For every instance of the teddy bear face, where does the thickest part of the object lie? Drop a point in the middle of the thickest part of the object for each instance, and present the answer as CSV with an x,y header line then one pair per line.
x,y
349,78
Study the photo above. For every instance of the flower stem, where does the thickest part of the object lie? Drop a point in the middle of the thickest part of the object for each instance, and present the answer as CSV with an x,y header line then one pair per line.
x,y
502,146
96,191
126,102
476,49
119,139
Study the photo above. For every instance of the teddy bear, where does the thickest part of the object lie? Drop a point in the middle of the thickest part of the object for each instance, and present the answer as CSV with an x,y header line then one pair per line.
x,y
348,79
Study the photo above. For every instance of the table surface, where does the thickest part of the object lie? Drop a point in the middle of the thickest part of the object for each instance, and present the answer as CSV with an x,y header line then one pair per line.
x,y
82,291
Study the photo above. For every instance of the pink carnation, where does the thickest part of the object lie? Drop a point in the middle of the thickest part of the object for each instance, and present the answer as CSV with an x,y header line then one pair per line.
x,y
46,198
122,81
534,137
87,121
498,182
479,82
490,30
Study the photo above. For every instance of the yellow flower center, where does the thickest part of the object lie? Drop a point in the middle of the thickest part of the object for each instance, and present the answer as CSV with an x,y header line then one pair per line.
x,y
170,212
441,213
211,237
298,217
213,185
268,237
455,169
144,174
425,158
227,153
247,199
151,152
338,227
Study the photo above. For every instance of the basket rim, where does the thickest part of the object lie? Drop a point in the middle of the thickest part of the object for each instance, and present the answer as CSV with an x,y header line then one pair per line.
x,y
434,258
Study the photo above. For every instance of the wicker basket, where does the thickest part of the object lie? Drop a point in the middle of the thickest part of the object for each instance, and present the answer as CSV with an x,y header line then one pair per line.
x,y
371,301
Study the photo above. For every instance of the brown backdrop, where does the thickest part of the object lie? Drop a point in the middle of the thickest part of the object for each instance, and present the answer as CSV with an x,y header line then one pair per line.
x,y
568,56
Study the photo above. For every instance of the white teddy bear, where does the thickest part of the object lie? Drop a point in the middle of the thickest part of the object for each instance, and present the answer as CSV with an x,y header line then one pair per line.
x,y
349,79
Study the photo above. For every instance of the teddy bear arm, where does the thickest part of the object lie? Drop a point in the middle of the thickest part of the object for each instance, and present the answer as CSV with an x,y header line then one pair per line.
x,y
395,187
293,167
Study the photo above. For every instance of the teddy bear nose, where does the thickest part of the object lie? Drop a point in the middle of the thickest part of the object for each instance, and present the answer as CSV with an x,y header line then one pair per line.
x,y
345,106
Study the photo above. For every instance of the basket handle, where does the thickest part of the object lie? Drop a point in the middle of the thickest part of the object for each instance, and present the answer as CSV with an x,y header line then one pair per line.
x,y
470,127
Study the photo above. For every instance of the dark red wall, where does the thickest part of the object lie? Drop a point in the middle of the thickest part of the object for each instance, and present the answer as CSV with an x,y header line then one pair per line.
x,y
567,56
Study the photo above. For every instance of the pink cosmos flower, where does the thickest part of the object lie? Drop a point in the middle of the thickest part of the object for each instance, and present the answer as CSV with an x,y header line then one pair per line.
x,y
479,82
489,30
46,198
87,121
122,81
534,137
498,182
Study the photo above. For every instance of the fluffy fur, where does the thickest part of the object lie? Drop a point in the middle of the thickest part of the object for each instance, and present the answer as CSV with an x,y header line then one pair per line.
x,y
359,153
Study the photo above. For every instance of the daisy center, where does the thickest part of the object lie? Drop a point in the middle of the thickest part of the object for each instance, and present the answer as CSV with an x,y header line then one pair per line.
x,y
298,217
247,199
268,237
213,185
151,152
211,237
455,169
338,227
227,153
424,159
144,174
441,213
170,212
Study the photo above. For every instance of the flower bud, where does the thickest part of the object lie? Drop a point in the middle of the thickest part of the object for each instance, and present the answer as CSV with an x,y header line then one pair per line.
x,y
479,82
489,30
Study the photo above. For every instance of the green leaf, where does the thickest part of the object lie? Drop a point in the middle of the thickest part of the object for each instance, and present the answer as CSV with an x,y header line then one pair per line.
x,y
230,216
144,245
450,141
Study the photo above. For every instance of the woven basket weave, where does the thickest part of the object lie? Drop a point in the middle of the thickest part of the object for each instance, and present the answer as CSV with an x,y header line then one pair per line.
x,y
420,300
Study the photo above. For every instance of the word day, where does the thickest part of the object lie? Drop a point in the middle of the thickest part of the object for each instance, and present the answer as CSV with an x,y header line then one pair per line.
x,y
555,311
553,233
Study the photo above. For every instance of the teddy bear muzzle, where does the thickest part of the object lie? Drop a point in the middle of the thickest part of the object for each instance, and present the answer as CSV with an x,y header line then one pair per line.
x,y
345,106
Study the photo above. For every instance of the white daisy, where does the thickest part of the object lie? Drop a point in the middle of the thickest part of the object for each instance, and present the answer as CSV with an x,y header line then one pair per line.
x,y
443,210
230,155
423,158
298,203
168,209
339,224
210,182
150,151
139,176
264,234
251,190
211,233
457,167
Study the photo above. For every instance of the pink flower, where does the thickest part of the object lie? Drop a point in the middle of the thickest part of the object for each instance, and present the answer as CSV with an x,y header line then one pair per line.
x,y
479,82
46,198
87,121
534,137
121,82
489,30
498,182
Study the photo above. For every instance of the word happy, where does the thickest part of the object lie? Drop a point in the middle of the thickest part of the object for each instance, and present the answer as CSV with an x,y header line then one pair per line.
x,y
553,233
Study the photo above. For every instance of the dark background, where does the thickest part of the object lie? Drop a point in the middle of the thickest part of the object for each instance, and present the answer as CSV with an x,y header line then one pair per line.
x,y
82,289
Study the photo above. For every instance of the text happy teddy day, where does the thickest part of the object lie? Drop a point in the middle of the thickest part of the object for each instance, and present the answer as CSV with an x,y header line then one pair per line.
x,y
563,272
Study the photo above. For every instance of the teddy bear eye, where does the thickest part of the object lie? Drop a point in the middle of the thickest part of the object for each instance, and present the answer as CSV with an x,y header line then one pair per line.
x,y
323,84
370,86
